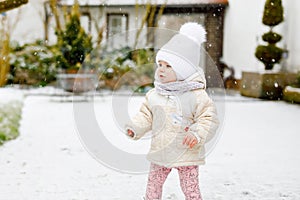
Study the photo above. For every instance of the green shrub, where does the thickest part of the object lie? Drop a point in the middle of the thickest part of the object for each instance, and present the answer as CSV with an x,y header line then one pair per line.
x,y
10,116
119,61
32,64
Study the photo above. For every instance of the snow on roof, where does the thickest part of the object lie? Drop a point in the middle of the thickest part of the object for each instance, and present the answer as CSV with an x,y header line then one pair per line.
x,y
133,2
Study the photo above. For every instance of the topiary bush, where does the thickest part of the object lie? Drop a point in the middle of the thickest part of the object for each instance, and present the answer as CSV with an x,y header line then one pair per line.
x,y
270,54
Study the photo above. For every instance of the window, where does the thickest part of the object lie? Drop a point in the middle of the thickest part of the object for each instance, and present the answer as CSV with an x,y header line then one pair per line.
x,y
85,21
117,25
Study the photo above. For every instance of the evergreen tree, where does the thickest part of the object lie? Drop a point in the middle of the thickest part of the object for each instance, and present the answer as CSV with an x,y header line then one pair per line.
x,y
74,43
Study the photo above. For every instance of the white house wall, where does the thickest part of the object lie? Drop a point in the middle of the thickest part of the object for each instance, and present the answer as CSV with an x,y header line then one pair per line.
x,y
99,19
26,22
242,30
292,30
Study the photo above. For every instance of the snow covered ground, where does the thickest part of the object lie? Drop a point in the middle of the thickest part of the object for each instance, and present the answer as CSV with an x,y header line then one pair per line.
x,y
256,158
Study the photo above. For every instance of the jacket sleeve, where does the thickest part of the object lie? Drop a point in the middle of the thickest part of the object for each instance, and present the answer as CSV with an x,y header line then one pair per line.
x,y
205,118
141,123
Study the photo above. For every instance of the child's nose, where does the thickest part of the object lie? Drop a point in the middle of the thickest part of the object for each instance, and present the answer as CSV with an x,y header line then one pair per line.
x,y
161,69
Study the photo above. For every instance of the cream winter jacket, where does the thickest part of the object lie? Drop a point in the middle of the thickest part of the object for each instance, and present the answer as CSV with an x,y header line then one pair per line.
x,y
166,117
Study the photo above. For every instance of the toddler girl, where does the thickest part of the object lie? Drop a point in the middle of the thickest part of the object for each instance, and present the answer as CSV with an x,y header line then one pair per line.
x,y
179,114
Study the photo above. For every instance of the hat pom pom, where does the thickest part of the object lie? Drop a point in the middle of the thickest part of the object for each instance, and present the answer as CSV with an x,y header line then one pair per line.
x,y
194,31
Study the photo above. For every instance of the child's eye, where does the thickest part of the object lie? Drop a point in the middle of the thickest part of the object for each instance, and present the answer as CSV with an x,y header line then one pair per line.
x,y
169,66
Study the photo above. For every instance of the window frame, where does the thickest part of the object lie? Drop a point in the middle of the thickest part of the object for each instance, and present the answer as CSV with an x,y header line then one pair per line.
x,y
108,17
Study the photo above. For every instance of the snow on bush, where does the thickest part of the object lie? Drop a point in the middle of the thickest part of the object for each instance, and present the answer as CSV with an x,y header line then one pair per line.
x,y
10,115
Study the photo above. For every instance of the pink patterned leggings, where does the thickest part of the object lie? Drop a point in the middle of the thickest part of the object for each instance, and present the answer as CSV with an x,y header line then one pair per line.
x,y
188,176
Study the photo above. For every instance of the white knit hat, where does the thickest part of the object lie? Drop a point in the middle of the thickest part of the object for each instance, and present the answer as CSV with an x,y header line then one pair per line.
x,y
182,51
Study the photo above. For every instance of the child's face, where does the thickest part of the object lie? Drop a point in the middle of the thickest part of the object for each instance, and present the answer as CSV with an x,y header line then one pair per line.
x,y
165,72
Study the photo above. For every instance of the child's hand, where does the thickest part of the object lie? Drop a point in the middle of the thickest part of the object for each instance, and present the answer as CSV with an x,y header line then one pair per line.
x,y
190,140
130,133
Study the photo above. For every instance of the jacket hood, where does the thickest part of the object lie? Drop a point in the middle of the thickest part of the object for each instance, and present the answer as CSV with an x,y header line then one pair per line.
x,y
197,77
